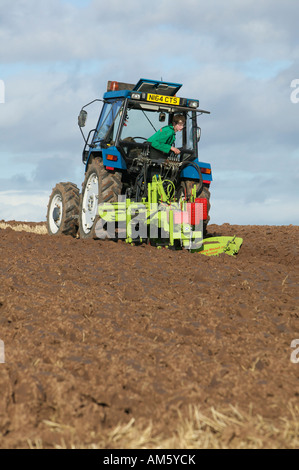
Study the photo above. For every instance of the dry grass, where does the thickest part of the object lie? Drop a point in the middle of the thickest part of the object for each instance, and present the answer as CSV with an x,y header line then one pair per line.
x,y
25,227
228,429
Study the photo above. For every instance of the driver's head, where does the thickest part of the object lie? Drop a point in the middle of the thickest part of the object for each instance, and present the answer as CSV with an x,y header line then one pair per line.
x,y
178,122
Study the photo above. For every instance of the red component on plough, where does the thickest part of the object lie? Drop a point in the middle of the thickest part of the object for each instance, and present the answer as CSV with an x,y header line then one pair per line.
x,y
195,212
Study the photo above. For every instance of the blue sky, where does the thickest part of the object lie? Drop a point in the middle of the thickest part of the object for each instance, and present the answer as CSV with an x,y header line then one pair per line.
x,y
238,58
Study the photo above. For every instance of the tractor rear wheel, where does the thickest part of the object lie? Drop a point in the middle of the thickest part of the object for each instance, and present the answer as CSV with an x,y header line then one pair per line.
x,y
63,210
99,186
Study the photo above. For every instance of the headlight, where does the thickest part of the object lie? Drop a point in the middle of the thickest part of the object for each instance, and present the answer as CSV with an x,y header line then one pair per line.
x,y
135,96
193,103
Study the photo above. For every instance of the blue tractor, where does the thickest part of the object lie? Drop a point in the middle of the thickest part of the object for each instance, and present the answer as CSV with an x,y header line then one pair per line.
x,y
120,161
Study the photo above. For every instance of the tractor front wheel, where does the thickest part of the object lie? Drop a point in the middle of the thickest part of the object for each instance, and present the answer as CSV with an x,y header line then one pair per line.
x,y
63,210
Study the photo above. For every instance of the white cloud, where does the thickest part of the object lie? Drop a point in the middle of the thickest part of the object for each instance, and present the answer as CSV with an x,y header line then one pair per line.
x,y
28,206
272,211
238,58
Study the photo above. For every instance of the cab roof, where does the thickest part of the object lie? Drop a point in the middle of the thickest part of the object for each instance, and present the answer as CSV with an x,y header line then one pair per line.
x,y
144,85
159,87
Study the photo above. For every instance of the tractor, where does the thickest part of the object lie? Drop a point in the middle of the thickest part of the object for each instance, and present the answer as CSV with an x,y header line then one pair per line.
x,y
122,164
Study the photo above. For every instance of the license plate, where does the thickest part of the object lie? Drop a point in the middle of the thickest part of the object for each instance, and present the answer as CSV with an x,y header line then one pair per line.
x,y
172,100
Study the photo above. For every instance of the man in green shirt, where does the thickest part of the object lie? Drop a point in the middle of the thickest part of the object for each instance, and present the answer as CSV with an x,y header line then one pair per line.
x,y
164,139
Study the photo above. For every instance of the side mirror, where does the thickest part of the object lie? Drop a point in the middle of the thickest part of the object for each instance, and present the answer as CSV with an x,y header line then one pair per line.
x,y
162,117
198,132
82,118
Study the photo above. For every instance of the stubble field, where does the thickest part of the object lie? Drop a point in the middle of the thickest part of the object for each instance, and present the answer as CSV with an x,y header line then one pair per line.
x,y
109,345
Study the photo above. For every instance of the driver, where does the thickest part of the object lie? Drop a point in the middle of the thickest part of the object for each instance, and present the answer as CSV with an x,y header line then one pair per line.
x,y
164,139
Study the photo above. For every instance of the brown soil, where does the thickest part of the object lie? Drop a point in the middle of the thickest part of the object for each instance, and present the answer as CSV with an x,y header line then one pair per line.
x,y
97,333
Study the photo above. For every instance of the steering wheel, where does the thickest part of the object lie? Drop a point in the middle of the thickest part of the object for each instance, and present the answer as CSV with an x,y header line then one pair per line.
x,y
143,138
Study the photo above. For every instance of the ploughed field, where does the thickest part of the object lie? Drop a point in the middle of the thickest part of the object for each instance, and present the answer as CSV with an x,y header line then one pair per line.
x,y
108,345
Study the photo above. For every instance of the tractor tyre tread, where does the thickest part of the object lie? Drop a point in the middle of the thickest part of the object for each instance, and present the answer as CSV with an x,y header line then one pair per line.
x,y
69,193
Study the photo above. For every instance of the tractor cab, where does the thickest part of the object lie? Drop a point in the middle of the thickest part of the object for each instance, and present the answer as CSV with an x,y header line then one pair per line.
x,y
131,114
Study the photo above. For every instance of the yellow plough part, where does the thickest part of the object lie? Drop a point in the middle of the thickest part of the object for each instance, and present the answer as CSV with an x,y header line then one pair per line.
x,y
216,245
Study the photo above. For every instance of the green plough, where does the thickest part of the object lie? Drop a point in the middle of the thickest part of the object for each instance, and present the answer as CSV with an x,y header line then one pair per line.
x,y
162,221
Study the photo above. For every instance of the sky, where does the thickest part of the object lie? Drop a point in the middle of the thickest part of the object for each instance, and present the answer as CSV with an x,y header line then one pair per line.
x,y
239,58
